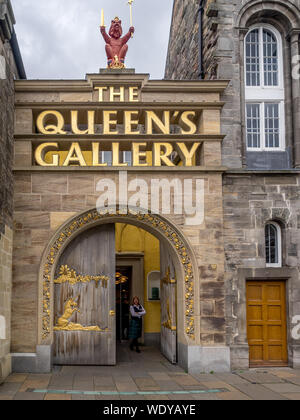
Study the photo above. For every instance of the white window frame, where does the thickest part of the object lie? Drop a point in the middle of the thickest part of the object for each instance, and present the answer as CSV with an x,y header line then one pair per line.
x,y
262,94
279,245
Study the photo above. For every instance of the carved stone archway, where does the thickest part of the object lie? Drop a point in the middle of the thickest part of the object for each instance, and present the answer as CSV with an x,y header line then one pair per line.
x,y
159,226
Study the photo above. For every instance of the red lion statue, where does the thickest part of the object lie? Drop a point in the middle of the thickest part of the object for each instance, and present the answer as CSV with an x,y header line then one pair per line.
x,y
116,47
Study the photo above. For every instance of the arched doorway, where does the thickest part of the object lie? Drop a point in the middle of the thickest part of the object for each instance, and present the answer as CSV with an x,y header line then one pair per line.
x,y
172,241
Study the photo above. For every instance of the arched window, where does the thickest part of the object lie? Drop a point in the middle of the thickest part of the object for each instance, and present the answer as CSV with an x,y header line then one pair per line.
x,y
264,89
273,245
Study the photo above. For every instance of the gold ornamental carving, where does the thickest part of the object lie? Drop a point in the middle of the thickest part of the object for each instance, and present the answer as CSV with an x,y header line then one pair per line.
x,y
68,275
169,324
167,279
93,216
116,64
63,323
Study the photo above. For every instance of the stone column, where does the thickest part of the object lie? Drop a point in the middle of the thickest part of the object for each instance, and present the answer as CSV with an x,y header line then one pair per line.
x,y
296,94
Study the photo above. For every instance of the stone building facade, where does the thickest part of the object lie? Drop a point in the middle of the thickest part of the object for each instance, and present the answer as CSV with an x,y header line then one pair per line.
x,y
10,68
52,205
231,286
260,186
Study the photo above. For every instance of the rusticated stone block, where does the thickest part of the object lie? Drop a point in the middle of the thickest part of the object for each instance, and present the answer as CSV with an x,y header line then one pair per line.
x,y
23,121
32,220
73,202
27,202
22,183
81,184
207,308
213,324
49,184
212,290
51,202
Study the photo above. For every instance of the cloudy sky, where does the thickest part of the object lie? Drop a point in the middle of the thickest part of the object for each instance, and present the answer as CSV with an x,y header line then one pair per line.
x,y
60,39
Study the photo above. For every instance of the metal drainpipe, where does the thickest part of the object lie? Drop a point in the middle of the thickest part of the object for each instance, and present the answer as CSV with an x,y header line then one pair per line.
x,y
201,10
17,55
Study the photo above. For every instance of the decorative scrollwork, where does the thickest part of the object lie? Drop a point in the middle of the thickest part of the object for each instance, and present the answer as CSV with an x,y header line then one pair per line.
x,y
169,324
167,279
68,275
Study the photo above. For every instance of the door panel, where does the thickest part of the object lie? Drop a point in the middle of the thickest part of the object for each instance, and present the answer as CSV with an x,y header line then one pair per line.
x,y
266,315
168,298
84,307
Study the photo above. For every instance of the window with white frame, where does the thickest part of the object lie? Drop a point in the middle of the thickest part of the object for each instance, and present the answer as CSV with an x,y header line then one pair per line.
x,y
273,245
265,120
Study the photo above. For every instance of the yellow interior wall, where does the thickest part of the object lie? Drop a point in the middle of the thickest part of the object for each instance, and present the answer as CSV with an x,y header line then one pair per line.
x,y
133,239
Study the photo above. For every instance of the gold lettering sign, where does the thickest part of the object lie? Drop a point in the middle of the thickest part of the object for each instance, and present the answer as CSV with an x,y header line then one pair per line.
x,y
48,154
54,122
117,94
56,126
91,123
131,123
40,154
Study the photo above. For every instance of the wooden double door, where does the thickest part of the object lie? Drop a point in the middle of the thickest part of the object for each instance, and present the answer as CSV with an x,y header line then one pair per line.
x,y
267,323
85,301
84,306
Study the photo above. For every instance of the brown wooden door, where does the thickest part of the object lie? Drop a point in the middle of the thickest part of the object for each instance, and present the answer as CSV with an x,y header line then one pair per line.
x,y
168,307
84,307
266,317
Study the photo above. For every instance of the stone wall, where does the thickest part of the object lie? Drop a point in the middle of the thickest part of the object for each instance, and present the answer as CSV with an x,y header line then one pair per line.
x,y
46,197
6,146
183,60
184,42
225,24
6,204
5,301
8,72
250,199
44,201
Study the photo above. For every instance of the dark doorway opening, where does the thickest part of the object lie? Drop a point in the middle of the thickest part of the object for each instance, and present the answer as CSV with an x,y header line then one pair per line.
x,y
123,293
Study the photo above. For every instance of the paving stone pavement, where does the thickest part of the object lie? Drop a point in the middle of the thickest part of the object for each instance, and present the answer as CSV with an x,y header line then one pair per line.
x,y
148,376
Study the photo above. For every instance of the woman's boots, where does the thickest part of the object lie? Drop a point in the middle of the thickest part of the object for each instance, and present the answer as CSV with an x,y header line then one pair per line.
x,y
134,343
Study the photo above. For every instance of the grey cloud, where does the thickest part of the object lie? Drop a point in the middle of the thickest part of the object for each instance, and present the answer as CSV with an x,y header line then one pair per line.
x,y
60,39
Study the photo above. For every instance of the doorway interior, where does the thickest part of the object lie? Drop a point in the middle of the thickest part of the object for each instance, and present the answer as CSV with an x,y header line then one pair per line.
x,y
123,294
98,318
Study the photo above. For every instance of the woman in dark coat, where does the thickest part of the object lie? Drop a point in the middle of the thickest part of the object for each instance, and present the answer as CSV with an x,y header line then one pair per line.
x,y
136,324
